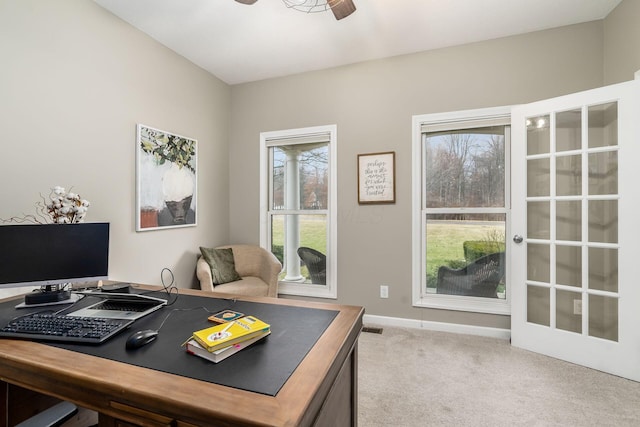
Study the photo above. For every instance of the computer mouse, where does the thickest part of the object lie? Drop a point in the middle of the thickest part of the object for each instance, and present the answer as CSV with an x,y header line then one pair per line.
x,y
140,338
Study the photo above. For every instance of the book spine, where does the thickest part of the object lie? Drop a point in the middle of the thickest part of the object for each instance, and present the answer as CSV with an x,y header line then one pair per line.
x,y
201,342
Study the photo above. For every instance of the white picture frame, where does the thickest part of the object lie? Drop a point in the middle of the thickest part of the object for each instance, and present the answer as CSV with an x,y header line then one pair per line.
x,y
166,180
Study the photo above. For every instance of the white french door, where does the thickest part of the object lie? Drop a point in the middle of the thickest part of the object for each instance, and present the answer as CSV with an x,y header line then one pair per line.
x,y
576,186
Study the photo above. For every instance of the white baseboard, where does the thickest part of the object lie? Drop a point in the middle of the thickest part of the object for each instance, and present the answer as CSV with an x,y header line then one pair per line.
x,y
438,326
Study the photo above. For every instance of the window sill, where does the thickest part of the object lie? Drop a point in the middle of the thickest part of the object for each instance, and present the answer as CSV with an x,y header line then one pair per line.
x,y
462,303
306,290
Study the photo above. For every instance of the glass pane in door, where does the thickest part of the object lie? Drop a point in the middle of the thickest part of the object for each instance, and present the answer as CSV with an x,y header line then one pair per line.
x,y
603,221
569,265
603,317
538,305
538,135
569,176
568,130
603,125
569,311
538,263
603,173
569,220
538,220
538,177
603,269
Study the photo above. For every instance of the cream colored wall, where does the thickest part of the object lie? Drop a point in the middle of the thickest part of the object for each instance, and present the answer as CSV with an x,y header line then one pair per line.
x,y
622,42
372,104
74,81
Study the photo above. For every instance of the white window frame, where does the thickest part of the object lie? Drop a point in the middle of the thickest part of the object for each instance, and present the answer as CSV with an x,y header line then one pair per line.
x,y
298,136
455,119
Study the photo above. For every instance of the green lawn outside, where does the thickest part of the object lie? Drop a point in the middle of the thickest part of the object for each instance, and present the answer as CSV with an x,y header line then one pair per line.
x,y
313,234
445,243
444,239
313,231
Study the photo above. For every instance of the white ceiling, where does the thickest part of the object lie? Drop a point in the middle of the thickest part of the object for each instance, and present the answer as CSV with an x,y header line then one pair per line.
x,y
239,43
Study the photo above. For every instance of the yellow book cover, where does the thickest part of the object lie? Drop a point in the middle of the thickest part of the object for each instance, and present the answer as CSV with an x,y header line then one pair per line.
x,y
219,336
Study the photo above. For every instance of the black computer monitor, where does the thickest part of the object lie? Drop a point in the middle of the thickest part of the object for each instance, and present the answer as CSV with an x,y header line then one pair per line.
x,y
52,255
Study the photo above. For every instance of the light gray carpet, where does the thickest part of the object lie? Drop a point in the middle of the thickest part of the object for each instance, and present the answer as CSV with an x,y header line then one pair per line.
x,y
416,377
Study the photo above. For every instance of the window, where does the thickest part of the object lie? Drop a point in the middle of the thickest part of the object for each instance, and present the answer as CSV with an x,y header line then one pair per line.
x,y
461,210
298,208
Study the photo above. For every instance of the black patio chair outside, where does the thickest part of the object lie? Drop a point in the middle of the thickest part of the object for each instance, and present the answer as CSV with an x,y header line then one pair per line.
x,y
479,278
316,263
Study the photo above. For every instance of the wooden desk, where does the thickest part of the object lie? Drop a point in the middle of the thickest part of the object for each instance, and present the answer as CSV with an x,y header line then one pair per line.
x,y
322,391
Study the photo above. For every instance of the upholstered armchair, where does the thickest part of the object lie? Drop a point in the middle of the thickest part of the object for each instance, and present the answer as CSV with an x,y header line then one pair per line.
x,y
257,268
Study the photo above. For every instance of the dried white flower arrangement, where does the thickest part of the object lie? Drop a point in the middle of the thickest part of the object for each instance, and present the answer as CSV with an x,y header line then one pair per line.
x,y
62,208
66,208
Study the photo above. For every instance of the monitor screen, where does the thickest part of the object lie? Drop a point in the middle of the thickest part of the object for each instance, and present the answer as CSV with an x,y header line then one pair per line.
x,y
53,254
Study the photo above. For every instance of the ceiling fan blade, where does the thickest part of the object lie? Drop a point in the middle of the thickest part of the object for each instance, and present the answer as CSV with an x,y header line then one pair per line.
x,y
342,8
247,1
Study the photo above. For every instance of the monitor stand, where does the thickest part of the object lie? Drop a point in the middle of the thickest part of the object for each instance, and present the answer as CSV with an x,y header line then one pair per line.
x,y
73,298
49,294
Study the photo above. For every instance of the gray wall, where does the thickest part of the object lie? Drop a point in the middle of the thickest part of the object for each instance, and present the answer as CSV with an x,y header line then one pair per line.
x,y
74,82
622,42
372,104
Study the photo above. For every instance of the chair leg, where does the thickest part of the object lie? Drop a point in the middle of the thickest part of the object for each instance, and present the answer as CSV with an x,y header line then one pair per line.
x,y
52,417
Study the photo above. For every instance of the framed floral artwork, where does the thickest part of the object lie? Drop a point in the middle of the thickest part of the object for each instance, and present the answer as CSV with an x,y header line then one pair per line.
x,y
376,178
166,180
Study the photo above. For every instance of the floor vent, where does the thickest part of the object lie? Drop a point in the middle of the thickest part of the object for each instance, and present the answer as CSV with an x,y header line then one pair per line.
x,y
372,329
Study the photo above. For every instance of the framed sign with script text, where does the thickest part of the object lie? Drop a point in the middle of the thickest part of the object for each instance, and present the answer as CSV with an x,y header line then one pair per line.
x,y
377,178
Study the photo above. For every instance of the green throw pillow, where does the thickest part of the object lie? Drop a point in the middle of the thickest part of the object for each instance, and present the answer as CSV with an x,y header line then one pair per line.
x,y
223,266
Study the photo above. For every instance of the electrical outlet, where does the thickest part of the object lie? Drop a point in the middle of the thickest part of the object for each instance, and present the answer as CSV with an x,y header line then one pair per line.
x,y
577,306
384,291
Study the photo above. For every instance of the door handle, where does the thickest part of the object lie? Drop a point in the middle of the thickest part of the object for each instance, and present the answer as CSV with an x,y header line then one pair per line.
x,y
518,238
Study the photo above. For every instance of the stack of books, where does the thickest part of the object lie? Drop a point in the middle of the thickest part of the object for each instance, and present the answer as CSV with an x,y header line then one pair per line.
x,y
216,343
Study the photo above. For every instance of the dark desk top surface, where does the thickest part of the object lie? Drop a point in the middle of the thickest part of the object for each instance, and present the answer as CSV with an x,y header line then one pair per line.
x,y
262,368
129,392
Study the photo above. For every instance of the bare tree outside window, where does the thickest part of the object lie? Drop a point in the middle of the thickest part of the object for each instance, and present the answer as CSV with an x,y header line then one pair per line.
x,y
313,175
464,169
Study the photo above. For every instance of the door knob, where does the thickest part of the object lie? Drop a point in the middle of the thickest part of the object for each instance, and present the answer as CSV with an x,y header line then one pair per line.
x,y
517,238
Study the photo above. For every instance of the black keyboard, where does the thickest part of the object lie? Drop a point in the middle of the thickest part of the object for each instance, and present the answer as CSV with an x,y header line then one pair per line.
x,y
59,327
